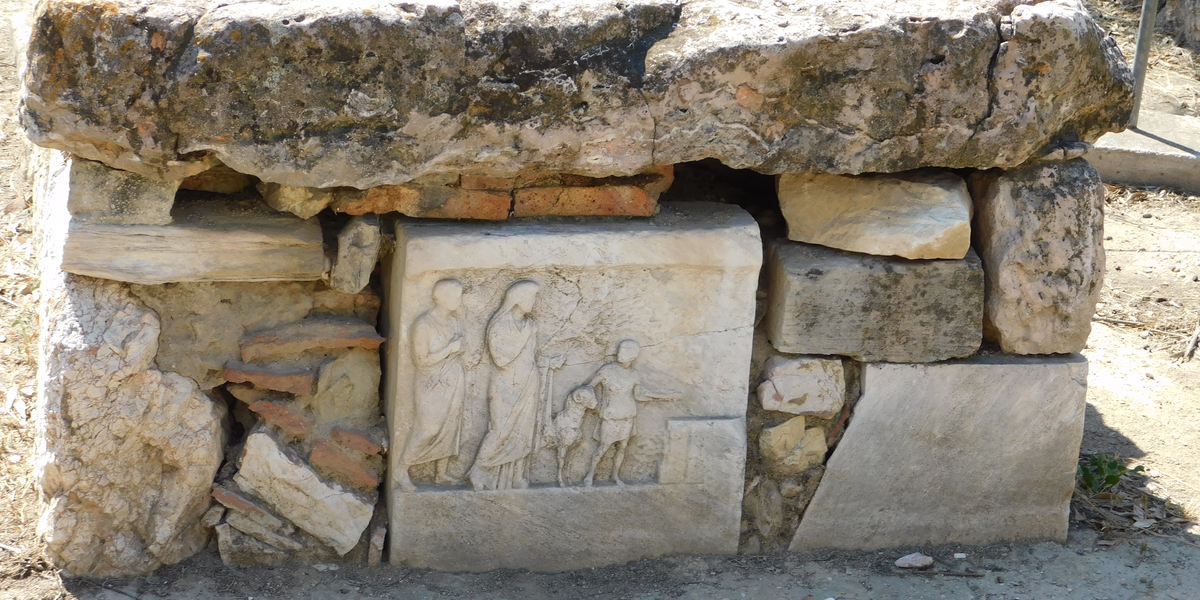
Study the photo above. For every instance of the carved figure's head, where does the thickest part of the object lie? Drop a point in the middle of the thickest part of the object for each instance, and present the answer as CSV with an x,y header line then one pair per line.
x,y
584,396
447,294
521,295
627,351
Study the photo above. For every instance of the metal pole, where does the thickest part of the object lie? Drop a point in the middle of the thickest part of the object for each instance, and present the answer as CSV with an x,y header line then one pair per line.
x,y
1141,56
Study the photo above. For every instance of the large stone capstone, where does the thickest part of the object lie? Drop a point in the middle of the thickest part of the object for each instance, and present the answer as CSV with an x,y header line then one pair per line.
x,y
365,94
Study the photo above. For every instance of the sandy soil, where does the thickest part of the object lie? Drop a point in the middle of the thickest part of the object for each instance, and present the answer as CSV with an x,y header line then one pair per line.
x,y
1143,404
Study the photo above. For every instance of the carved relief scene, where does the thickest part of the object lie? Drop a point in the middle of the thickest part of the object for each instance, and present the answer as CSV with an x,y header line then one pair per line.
x,y
543,362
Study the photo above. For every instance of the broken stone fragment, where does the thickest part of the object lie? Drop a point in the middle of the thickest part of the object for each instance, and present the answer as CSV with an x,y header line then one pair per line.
x,y
208,241
332,514
213,516
234,499
347,391
1040,233
872,308
923,214
102,194
313,333
261,532
335,464
792,448
916,560
300,201
241,550
292,380
803,386
282,416
929,84
929,431
358,251
375,553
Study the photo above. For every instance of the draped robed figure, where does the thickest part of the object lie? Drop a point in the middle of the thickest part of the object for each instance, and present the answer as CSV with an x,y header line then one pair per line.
x,y
513,393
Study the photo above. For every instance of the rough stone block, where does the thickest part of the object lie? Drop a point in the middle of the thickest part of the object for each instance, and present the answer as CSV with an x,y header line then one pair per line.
x,y
367,443
974,451
872,308
290,380
241,550
324,333
300,201
1040,233
102,194
923,214
358,251
526,356
208,241
254,528
929,84
792,448
236,500
803,385
330,513
126,452
611,200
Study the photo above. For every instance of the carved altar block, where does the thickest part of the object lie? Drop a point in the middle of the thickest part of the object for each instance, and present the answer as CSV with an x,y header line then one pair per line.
x,y
569,394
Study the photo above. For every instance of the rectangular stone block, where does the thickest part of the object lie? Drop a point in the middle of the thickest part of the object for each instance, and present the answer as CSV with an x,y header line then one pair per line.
x,y
973,451
102,194
208,241
872,308
570,394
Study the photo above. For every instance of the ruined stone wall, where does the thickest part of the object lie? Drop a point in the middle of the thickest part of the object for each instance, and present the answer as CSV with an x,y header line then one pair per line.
x,y
478,278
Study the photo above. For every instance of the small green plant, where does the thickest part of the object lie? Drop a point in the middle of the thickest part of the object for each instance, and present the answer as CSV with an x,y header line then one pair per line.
x,y
1102,471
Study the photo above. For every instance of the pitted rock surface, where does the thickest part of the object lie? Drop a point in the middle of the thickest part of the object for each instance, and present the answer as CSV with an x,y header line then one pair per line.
x,y
129,452
366,94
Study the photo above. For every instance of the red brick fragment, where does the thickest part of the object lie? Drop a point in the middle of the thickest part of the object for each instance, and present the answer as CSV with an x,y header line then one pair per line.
x,y
327,333
278,415
436,202
610,200
356,440
332,462
299,382
235,499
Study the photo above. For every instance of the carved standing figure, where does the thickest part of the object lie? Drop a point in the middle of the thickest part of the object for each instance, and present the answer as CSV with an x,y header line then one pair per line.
x,y
620,389
439,387
514,393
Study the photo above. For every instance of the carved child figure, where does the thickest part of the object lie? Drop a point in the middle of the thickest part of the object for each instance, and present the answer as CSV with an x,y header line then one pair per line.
x,y
620,387
563,433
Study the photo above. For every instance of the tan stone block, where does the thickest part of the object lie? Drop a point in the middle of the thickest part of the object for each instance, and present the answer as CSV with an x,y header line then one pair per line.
x,y
792,448
220,179
234,499
299,382
324,333
331,462
612,200
282,416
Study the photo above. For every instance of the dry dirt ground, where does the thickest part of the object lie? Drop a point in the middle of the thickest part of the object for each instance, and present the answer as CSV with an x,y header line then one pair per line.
x,y
1143,404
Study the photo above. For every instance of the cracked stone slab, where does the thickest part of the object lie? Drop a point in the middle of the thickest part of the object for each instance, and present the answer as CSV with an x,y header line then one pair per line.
x,y
501,336
973,451
376,93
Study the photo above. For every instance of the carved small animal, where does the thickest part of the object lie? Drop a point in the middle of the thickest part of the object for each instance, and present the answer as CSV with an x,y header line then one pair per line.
x,y
563,432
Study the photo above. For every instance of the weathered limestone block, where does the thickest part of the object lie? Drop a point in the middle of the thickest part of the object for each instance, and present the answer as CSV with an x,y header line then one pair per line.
x,y
358,251
101,194
332,514
975,451
872,308
803,386
208,241
488,88
1040,233
241,550
923,214
126,453
532,366
611,200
